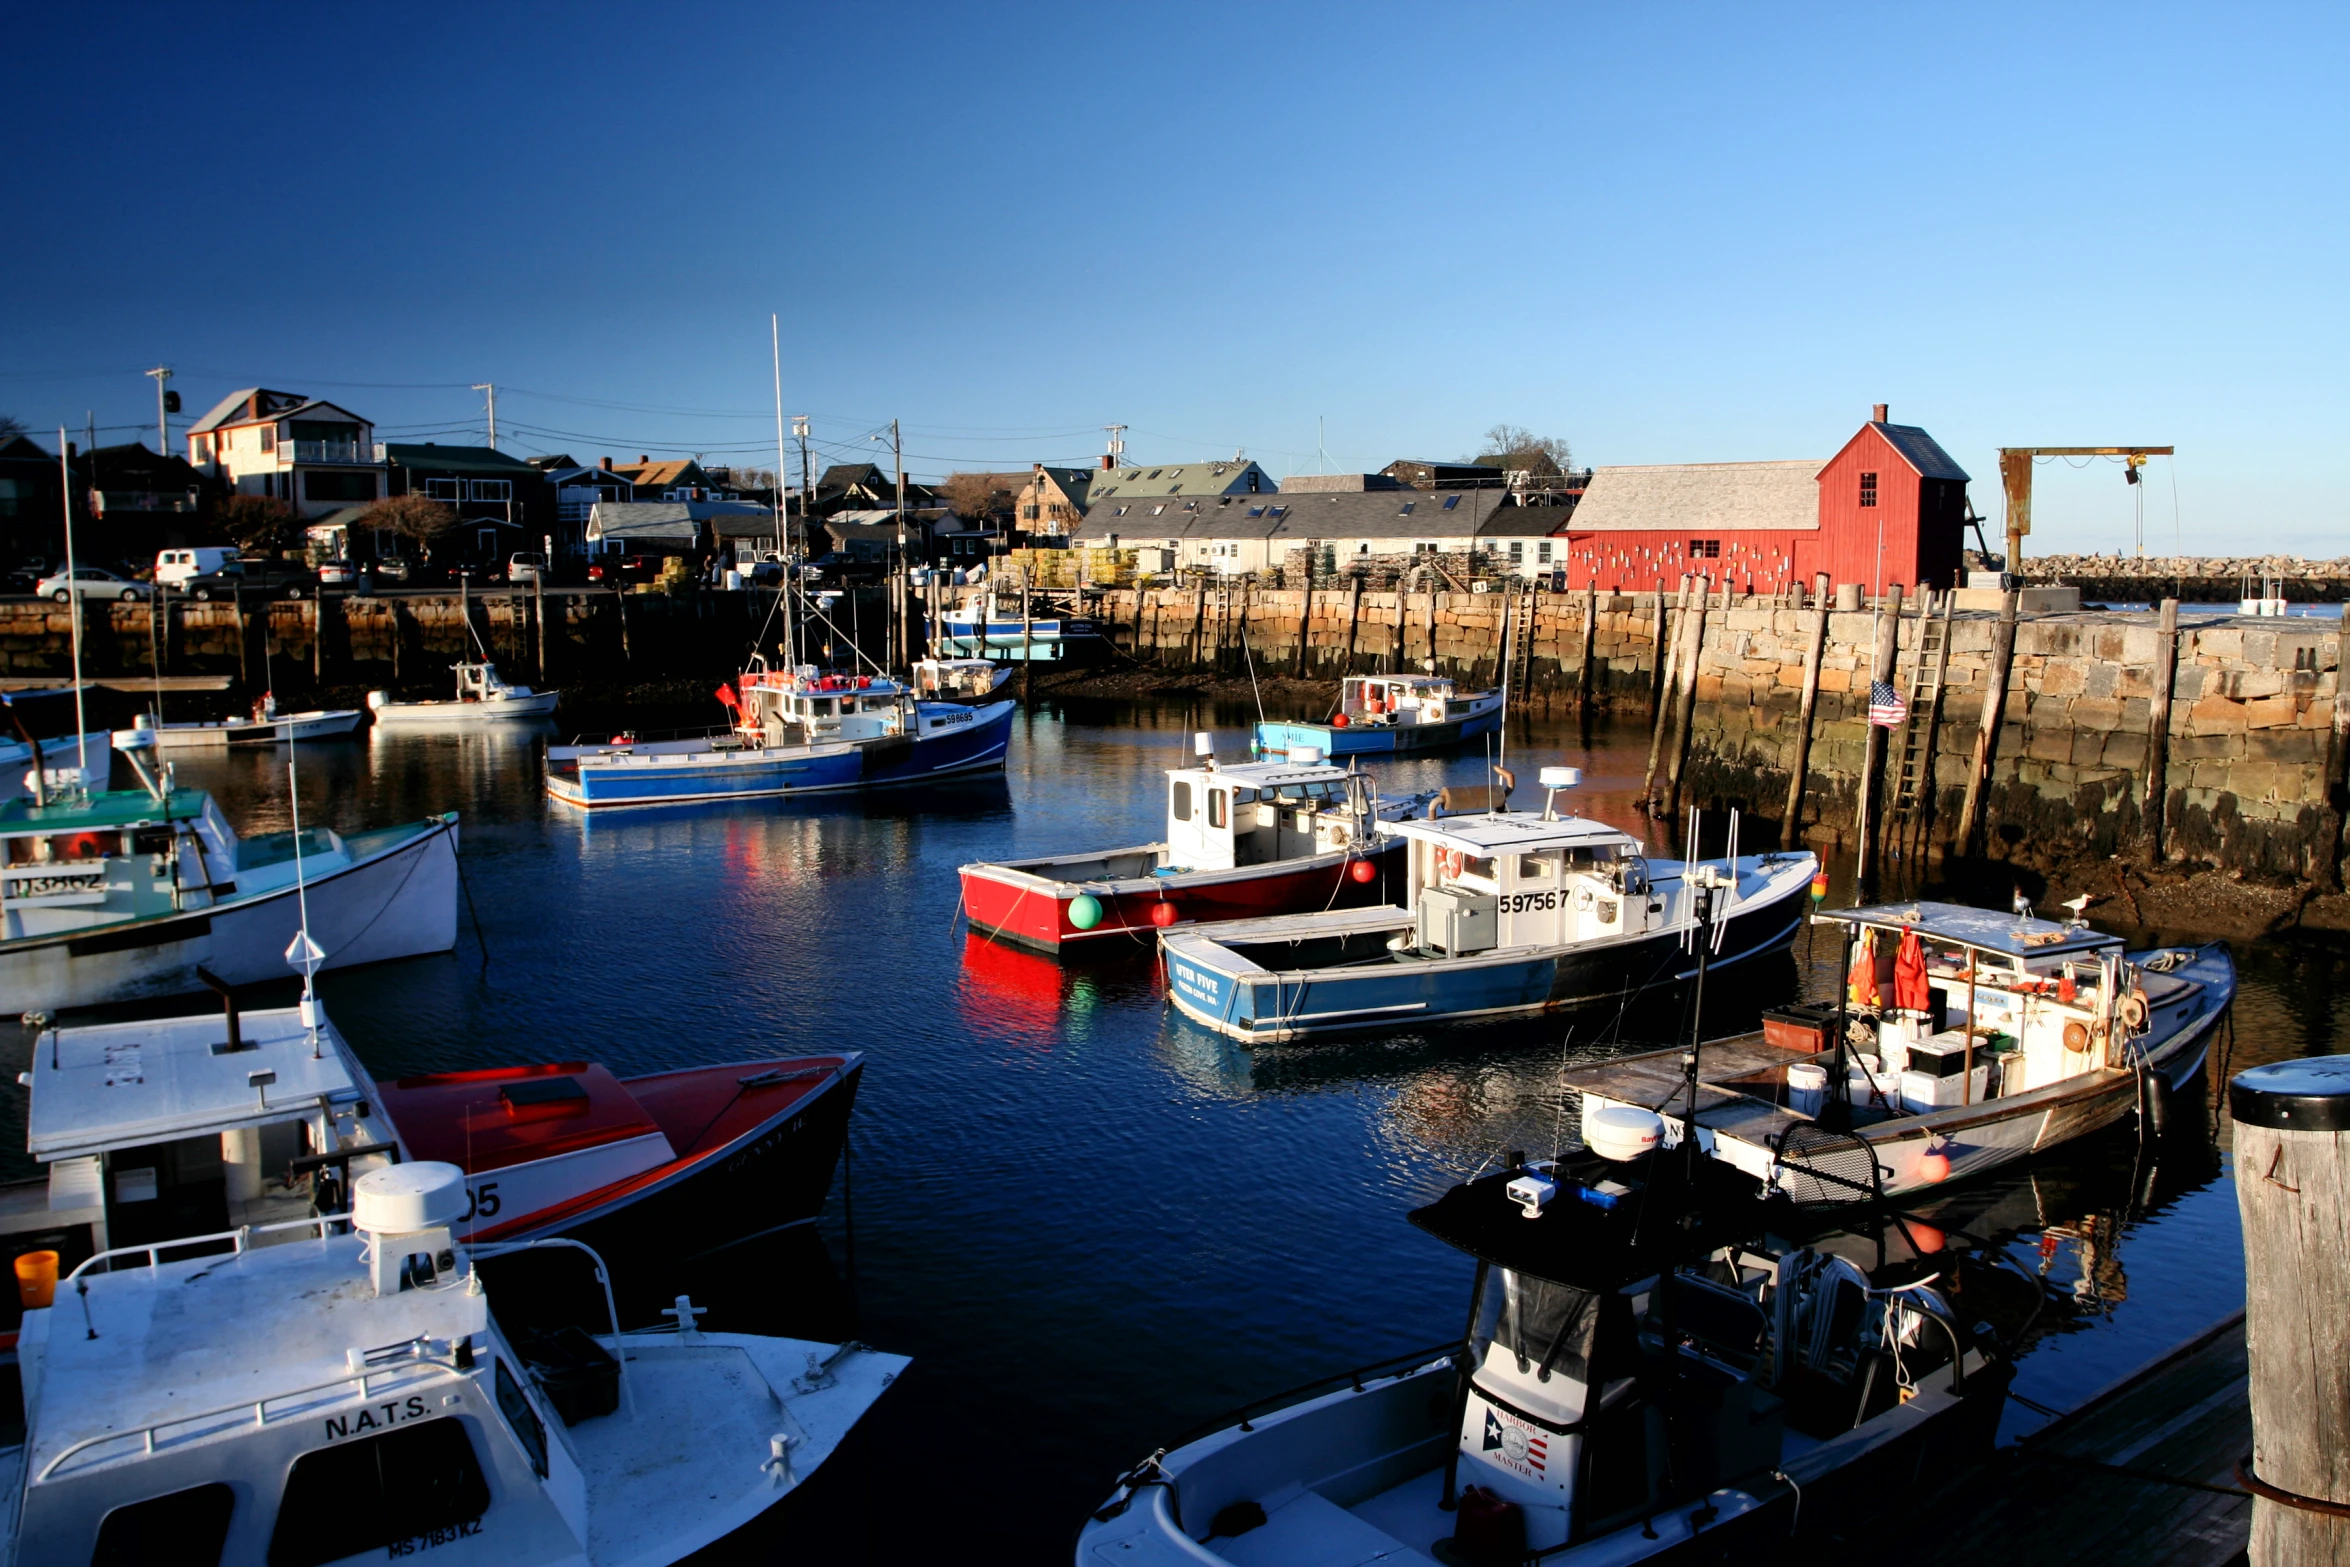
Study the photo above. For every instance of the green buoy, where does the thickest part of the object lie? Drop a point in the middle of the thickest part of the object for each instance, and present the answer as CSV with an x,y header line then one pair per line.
x,y
1085,911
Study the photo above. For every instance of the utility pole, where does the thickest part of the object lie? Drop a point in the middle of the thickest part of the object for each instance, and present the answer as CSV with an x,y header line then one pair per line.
x,y
163,402
485,386
1117,447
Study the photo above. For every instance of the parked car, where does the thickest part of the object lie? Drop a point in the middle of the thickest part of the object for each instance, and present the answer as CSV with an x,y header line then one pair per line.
x,y
835,566
268,578
337,573
527,566
90,582
627,569
174,567
395,568
24,578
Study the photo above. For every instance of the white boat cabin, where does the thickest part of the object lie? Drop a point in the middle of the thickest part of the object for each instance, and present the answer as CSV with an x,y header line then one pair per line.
x,y
157,1130
1520,879
1221,818
2013,1003
1397,700
955,679
803,707
483,683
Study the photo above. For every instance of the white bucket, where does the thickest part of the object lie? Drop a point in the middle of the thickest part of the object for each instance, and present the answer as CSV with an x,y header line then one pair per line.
x,y
1807,1087
734,580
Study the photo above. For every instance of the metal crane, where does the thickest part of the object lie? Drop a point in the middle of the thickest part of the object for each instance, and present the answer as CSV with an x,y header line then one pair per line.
x,y
2015,475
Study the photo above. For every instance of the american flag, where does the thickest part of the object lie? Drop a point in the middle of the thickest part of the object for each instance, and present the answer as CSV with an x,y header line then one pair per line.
x,y
1537,1450
1886,708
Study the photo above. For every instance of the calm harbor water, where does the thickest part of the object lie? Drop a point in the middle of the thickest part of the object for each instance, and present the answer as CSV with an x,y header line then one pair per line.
x,y
1091,1225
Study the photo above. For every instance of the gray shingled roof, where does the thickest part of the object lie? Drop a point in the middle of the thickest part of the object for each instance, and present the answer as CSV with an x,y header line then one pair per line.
x,y
1342,514
1182,480
1922,452
1706,497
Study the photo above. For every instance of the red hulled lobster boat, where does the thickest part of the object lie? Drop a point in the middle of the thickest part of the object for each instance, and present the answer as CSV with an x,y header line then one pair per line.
x,y
1242,842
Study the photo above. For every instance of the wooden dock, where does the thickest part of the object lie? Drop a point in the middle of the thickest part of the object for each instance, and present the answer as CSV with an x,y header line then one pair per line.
x,y
2144,1474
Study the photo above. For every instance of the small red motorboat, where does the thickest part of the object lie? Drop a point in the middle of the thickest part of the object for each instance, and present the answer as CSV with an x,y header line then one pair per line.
x,y
1262,838
685,1162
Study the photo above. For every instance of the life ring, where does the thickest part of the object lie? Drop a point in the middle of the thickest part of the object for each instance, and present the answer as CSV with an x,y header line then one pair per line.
x,y
2134,1010
2076,1037
1448,860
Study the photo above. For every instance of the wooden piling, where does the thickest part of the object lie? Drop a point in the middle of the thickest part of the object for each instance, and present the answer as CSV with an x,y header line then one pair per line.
x,y
1199,623
1872,767
1586,682
2337,769
1395,652
2166,673
1685,719
1791,818
1305,622
1994,712
1354,621
2292,1147
1659,713
1656,674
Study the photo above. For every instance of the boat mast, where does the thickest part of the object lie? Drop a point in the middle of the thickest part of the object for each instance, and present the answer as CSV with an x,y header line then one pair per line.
x,y
73,590
782,517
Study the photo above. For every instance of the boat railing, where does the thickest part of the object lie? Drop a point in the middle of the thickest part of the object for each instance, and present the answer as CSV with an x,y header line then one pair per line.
x,y
392,1365
240,1239
654,736
1359,1379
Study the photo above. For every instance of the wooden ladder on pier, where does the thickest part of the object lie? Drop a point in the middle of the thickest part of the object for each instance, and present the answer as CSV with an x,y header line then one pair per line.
x,y
1913,776
1522,647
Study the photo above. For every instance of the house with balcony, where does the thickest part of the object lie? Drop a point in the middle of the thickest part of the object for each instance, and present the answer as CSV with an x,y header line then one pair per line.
x,y
140,502
503,504
578,491
313,454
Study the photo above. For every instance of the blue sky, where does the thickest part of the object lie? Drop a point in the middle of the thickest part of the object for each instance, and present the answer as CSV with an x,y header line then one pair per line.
x,y
1668,233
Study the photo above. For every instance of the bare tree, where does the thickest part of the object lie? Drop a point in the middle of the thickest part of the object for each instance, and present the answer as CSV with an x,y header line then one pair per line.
x,y
978,496
10,427
261,524
417,518
1515,446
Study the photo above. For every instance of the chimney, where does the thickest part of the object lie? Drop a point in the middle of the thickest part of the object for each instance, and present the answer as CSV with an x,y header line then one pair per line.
x,y
1109,461
642,458
607,464
1877,412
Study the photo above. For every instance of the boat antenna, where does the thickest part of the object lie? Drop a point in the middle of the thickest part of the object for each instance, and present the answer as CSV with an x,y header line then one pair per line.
x,y
81,727
1249,659
791,661
302,953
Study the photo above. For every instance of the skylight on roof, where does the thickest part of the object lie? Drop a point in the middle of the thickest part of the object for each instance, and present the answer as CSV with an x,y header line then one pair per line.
x,y
1256,511
1450,501
1407,508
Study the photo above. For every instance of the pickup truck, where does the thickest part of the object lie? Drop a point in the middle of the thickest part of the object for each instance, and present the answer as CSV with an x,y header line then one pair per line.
x,y
265,578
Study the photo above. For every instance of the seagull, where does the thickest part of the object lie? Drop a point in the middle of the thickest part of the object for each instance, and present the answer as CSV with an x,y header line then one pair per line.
x,y
2080,908
2022,905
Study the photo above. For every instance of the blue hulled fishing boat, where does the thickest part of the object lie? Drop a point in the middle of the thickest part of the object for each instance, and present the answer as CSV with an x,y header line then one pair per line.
x,y
1382,714
795,731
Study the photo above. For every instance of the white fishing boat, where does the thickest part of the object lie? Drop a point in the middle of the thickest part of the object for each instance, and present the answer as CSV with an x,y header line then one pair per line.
x,y
1662,1364
483,697
1982,1038
113,894
339,1386
267,726
1505,912
60,757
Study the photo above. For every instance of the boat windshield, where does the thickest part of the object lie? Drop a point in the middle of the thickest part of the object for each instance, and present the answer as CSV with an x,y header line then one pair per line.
x,y
1547,1327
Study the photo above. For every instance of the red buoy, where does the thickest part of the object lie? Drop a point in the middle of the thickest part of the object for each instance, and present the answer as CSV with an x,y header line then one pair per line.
x,y
1162,914
1362,870
1338,722
1934,1167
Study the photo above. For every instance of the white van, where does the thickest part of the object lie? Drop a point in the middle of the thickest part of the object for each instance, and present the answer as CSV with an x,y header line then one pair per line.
x,y
175,567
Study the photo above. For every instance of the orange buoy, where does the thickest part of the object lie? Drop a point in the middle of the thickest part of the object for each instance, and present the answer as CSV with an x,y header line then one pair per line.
x,y
1362,870
1934,1167
1162,914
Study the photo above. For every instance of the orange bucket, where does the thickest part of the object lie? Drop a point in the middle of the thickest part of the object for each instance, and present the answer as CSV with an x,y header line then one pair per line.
x,y
36,1279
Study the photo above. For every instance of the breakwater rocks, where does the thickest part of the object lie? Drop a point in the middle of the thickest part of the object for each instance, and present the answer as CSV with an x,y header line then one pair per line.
x,y
2193,579
2118,734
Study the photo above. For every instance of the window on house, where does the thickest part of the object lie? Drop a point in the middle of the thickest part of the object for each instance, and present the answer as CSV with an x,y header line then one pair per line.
x,y
184,1526
1868,489
1155,473
1175,473
1256,511
378,1492
1704,549
1252,481
1542,553
328,484
1407,508
1517,551
489,489
1120,512
269,439
443,489
1450,501
203,448
1155,510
